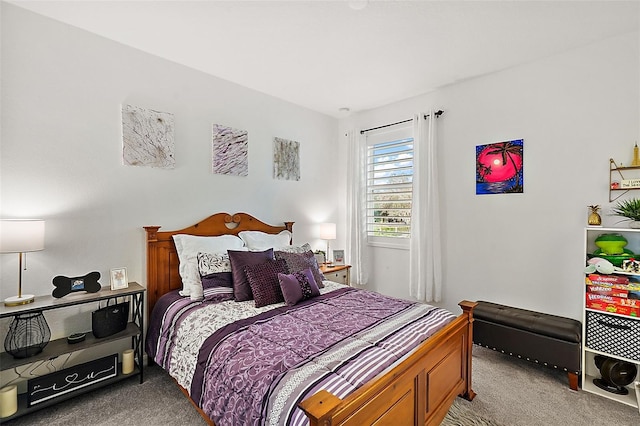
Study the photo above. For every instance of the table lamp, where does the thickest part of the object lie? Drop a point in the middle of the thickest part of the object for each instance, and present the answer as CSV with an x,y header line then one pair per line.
x,y
328,232
21,236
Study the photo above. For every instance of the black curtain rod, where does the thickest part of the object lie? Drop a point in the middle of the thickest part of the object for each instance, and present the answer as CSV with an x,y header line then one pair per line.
x,y
386,125
437,114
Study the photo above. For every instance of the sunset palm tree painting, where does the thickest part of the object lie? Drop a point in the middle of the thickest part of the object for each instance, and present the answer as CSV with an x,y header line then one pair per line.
x,y
499,168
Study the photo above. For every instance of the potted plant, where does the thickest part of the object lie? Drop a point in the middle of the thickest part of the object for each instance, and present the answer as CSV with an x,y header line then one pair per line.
x,y
630,210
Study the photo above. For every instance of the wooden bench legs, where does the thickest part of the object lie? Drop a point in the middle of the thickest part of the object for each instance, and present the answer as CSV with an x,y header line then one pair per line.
x,y
573,381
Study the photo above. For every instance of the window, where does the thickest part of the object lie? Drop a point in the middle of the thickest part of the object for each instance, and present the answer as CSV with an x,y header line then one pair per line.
x,y
389,184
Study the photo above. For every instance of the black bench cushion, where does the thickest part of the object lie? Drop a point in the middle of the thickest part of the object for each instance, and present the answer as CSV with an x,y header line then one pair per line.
x,y
566,329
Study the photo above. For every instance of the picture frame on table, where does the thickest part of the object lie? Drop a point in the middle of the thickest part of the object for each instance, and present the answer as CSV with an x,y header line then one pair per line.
x,y
338,257
119,279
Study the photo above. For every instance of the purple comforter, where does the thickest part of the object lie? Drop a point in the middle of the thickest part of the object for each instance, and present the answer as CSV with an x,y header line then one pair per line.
x,y
254,370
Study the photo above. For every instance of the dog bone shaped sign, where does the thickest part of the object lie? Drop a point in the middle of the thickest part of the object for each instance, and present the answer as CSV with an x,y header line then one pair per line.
x,y
65,285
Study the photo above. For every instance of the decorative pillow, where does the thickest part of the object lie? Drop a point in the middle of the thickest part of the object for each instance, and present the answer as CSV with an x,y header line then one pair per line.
x,y
298,286
210,263
297,262
217,285
258,240
295,249
188,247
240,259
263,279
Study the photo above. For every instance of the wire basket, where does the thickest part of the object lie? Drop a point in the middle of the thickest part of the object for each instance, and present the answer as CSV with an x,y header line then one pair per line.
x,y
28,335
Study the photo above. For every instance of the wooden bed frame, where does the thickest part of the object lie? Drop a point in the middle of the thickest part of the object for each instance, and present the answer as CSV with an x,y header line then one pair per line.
x,y
417,390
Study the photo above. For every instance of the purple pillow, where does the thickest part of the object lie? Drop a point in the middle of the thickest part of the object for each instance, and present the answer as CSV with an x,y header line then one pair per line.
x,y
263,279
297,262
239,260
216,284
298,286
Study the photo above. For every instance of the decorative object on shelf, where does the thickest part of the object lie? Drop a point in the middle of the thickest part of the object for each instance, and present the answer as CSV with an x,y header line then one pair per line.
x,y
76,338
594,217
597,264
636,156
65,285
110,319
338,257
328,232
611,247
62,382
119,279
127,361
616,374
28,335
21,236
631,265
8,401
611,243
629,210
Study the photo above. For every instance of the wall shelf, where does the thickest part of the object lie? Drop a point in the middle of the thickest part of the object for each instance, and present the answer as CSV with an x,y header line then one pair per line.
x,y
615,170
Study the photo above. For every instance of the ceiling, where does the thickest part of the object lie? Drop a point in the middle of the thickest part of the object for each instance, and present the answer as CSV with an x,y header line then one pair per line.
x,y
327,55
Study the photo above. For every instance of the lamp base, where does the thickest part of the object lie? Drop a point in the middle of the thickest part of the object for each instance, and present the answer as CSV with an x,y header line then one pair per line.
x,y
19,300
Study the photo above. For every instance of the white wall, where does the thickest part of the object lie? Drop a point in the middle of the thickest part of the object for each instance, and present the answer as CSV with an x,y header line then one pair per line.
x,y
574,111
62,90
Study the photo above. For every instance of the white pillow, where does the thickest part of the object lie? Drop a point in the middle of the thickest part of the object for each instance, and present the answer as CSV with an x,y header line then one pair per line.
x,y
260,241
188,247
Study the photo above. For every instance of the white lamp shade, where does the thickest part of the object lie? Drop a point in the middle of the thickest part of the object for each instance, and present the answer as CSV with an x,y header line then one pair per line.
x,y
328,231
21,235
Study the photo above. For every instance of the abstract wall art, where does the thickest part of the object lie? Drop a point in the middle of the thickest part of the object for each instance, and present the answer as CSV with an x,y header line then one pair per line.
x,y
147,138
229,151
499,168
286,159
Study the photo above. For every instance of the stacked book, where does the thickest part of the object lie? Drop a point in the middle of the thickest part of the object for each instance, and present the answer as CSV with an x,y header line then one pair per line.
x,y
613,293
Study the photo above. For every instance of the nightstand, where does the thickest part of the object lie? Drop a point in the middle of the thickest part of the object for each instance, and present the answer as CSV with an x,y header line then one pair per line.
x,y
337,273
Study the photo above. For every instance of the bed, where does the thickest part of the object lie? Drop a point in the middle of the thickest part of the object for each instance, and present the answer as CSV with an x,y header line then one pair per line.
x,y
390,383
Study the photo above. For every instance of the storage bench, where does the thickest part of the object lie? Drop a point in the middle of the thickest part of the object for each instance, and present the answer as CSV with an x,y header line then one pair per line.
x,y
545,339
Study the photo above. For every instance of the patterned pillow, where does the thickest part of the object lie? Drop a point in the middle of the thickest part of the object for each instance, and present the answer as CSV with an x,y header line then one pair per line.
x,y
297,262
218,286
263,279
240,259
211,263
296,249
298,286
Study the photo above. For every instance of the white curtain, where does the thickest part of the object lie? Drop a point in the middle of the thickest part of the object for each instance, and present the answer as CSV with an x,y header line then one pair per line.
x,y
425,259
357,249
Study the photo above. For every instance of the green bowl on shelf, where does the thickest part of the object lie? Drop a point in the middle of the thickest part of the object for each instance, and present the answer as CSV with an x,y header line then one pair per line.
x,y
615,259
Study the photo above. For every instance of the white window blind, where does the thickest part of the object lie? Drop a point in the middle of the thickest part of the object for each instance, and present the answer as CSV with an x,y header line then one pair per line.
x,y
389,183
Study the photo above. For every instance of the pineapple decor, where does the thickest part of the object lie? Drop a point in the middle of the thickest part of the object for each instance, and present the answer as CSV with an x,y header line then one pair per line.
x,y
594,217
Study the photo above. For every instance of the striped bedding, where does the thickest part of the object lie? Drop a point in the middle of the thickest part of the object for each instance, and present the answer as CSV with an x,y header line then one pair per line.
x,y
252,366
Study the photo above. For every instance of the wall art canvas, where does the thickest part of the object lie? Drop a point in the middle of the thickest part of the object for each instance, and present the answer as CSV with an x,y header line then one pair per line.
x,y
229,151
499,168
286,159
147,138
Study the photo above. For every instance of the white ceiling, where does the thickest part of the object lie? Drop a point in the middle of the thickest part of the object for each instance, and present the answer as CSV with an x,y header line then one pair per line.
x,y
325,55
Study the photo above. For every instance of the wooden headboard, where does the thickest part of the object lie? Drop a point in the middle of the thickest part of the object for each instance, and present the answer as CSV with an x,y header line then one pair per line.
x,y
162,258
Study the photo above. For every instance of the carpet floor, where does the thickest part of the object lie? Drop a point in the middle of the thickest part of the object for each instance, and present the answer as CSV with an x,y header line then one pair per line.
x,y
511,392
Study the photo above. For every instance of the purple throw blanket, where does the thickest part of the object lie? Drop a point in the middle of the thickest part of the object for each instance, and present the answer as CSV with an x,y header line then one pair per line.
x,y
255,369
